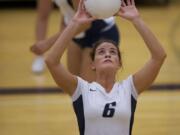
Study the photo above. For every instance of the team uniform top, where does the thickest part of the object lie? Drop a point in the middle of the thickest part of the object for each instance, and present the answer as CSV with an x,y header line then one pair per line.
x,y
100,29
102,113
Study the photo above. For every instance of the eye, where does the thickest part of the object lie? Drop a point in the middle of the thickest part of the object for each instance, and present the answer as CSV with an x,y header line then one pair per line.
x,y
113,52
100,52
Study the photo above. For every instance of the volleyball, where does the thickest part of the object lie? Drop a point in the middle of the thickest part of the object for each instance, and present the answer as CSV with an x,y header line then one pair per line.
x,y
102,8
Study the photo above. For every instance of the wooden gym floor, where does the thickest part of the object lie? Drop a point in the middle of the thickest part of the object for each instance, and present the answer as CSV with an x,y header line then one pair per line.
x,y
158,112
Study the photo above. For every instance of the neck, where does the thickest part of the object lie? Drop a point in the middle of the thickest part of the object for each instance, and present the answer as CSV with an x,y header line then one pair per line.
x,y
106,79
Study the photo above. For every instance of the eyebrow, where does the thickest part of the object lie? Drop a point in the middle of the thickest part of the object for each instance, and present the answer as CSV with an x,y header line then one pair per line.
x,y
104,48
114,49
100,49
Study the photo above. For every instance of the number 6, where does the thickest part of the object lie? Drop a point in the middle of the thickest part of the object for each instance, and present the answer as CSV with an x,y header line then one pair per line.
x,y
109,109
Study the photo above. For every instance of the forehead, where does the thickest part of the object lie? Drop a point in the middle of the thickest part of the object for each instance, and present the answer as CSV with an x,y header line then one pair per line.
x,y
106,45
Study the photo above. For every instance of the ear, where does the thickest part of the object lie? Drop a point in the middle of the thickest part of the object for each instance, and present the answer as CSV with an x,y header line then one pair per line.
x,y
93,66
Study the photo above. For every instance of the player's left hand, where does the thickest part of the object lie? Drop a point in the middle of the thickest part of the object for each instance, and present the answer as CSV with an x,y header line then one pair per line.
x,y
128,10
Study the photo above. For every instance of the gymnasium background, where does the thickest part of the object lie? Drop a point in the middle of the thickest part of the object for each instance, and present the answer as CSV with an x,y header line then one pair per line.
x,y
32,104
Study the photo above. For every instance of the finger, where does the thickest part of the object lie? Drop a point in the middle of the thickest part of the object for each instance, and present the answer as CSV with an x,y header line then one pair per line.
x,y
80,7
123,3
132,2
128,2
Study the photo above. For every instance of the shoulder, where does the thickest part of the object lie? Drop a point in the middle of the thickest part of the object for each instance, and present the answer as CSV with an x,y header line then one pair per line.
x,y
82,86
128,85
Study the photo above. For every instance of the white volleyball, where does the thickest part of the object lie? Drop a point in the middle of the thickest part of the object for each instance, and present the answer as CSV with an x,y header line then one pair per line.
x,y
102,8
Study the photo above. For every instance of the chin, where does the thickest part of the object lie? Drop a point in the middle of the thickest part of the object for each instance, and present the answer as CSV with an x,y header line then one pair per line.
x,y
108,68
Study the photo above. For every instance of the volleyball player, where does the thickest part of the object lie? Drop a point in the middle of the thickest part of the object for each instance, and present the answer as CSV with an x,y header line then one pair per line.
x,y
106,106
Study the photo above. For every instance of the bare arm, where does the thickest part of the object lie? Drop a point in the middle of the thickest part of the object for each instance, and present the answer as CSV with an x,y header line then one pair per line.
x,y
66,80
62,77
147,74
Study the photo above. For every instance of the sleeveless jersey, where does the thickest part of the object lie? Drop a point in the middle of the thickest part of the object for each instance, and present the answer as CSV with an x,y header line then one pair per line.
x,y
102,113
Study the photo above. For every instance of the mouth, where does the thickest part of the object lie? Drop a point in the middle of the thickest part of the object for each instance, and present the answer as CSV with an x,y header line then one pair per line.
x,y
108,60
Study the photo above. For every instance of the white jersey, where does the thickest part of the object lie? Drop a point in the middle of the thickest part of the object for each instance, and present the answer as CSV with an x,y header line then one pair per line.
x,y
102,113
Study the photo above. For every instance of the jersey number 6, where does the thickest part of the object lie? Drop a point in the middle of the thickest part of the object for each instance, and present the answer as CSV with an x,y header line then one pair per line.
x,y
109,109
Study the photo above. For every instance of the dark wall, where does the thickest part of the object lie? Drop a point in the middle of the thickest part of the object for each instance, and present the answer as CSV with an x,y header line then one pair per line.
x,y
153,2
17,4
32,3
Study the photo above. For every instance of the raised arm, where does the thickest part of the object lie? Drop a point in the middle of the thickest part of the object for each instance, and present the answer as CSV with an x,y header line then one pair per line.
x,y
147,74
64,78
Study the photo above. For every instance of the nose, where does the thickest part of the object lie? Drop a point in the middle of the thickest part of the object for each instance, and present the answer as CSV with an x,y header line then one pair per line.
x,y
107,55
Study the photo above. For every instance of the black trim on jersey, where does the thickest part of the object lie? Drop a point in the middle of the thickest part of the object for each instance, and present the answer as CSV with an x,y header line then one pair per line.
x,y
70,3
79,110
133,108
